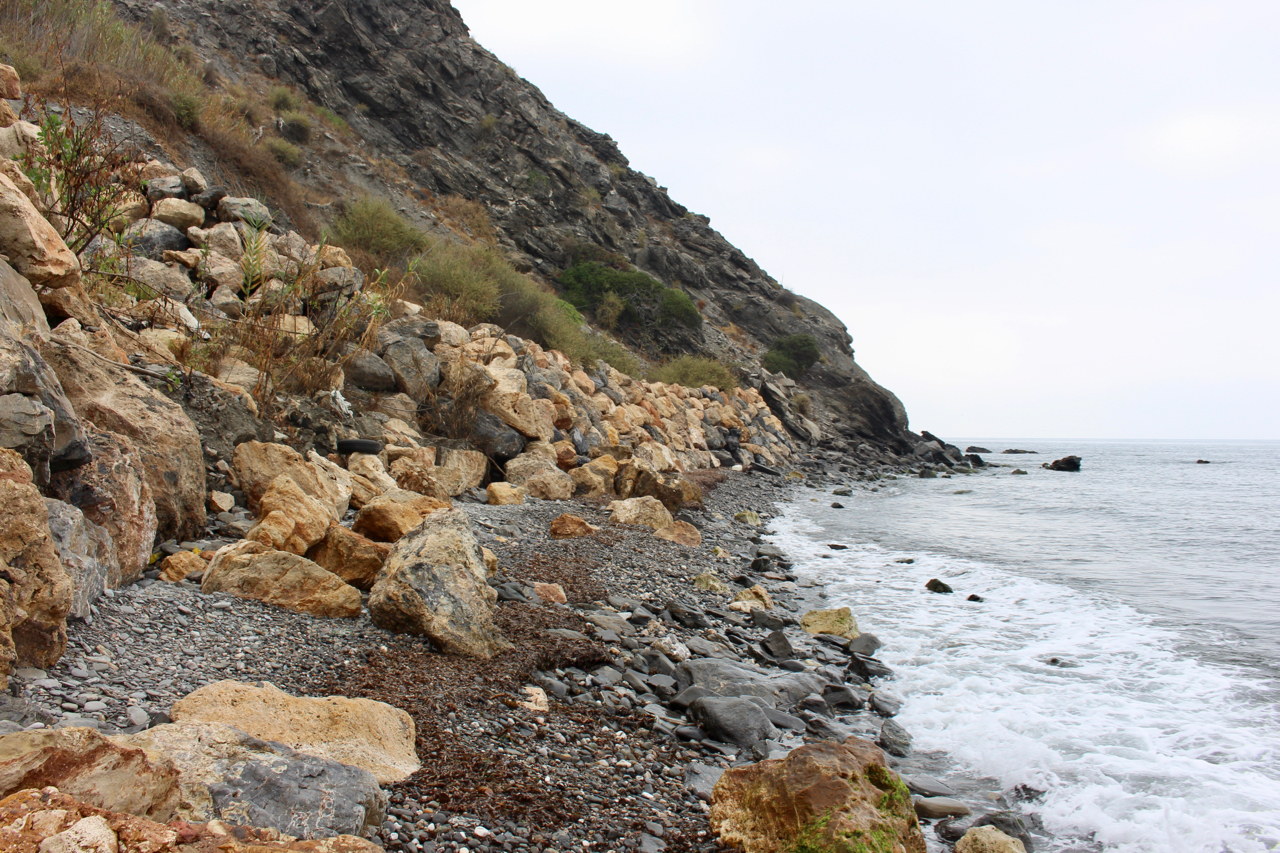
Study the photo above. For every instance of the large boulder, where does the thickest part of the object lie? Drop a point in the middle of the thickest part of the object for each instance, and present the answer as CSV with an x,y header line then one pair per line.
x,y
416,368
305,519
228,775
168,445
250,570
360,732
151,238
85,551
36,417
366,371
390,516
434,584
550,484
350,556
33,246
837,621
494,438
112,492
84,764
732,720
644,512
257,464
35,590
19,305
732,678
822,796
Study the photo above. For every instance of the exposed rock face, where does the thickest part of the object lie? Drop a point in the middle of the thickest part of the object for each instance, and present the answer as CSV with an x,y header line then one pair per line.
x,y
35,591
84,764
36,418
823,796
250,570
389,517
360,732
434,584
86,552
257,464
305,519
34,248
228,775
167,443
1066,463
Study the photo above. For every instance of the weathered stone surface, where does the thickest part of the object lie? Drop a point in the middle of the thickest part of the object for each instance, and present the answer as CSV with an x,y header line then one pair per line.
x,y
19,304
228,775
526,465
837,621
85,551
732,720
222,239
823,795
10,84
250,570
550,484
32,245
238,209
366,371
350,556
754,597
178,567
681,533
390,516
550,593
504,494
36,417
461,469
257,464
566,526
434,584
709,582
167,443
590,482
112,492
988,839
84,764
360,732
646,512
309,518
416,368
150,239
414,474
35,591
732,678
371,468
178,213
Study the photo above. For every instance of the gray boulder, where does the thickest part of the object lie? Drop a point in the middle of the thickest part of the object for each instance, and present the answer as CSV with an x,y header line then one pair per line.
x,y
492,437
894,739
162,188
86,551
151,238
36,418
416,368
366,371
730,678
233,209
732,720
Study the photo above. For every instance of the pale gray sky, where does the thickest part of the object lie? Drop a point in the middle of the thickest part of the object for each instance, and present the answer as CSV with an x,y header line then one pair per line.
x,y
1036,219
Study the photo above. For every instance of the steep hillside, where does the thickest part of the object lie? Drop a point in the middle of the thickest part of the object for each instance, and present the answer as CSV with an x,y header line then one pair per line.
x,y
435,115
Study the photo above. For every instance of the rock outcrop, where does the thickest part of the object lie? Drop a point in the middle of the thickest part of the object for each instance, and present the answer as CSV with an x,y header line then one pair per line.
x,y
249,569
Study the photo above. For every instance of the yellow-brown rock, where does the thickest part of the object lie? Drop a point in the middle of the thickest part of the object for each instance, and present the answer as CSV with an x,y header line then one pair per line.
x,y
330,257
566,455
34,247
83,763
248,569
310,517
257,464
350,556
551,484
823,796
645,511
756,597
988,839
490,561
590,482
837,621
391,515
361,732
504,494
568,526
681,533
371,468
176,567
550,593
413,475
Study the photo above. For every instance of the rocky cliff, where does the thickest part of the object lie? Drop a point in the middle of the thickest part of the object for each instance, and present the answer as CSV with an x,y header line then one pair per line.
x,y
438,115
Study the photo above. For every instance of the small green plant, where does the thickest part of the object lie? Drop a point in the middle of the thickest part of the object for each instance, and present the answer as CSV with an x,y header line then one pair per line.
x,y
537,181
792,355
283,100
296,127
617,170
695,371
609,309
288,154
332,119
588,197
186,109
488,124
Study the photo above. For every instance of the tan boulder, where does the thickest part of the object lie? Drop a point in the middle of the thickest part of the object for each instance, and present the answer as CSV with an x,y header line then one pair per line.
x,y
350,556
310,518
988,839
550,484
257,464
177,567
371,468
390,516
590,482
568,526
646,512
527,464
361,732
178,213
551,593
504,494
566,455
490,561
49,821
681,533
711,583
837,621
415,475
10,83
529,417
657,455
461,469
222,239
84,764
434,584
168,446
250,570
130,208
34,247
331,256
35,590
753,598
822,796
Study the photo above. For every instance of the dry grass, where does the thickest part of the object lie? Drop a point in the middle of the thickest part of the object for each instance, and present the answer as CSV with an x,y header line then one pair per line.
x,y
469,219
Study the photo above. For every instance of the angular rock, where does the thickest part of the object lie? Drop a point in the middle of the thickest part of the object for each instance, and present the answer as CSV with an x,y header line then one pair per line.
x,y
82,763
366,371
550,484
33,246
837,621
250,570
414,474
494,438
732,720
681,533
894,739
416,369
150,239
434,584
310,518
180,566
504,494
237,209
178,213
350,556
36,417
550,593
390,516
752,598
85,551
19,304
731,678
257,464
226,774
822,796
645,512
566,526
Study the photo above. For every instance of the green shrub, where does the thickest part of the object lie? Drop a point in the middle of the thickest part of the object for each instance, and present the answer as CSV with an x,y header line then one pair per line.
x,y
296,128
332,119
468,277
186,109
373,226
792,355
587,283
288,154
694,371
283,100
677,306
802,403
609,309
488,124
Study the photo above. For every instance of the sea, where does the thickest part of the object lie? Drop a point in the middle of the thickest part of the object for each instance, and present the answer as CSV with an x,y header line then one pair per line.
x,y
1119,682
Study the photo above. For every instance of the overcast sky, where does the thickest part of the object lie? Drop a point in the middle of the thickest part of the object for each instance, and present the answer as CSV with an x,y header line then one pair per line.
x,y
1036,219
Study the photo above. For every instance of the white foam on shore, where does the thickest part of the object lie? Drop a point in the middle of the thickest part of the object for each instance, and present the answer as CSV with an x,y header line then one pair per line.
x,y
1140,749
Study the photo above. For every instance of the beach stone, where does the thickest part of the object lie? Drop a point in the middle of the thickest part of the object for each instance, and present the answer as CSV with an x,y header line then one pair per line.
x,y
178,567
935,585
895,739
732,720
309,518
550,484
566,526
838,622
504,494
710,582
350,556
84,764
701,779
434,584
935,808
681,533
821,795
644,511
988,839
748,517
1011,824
362,733
250,570
226,774
731,678
752,598
550,593
393,514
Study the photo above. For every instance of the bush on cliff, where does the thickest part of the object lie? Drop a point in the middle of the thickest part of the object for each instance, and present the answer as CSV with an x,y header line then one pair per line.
x,y
596,283
792,355
694,371
372,225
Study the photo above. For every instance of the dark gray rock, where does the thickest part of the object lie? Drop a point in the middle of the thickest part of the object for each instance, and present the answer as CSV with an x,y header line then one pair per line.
x,y
161,188
701,779
729,678
495,439
778,646
365,370
151,238
36,418
85,550
732,720
894,739
886,704
416,369
927,786
1010,824
940,586
864,644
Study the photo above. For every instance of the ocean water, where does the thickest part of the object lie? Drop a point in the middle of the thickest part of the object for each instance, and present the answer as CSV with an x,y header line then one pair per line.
x,y
1125,660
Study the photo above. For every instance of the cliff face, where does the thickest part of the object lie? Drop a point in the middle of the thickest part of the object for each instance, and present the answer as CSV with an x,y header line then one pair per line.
x,y
454,120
